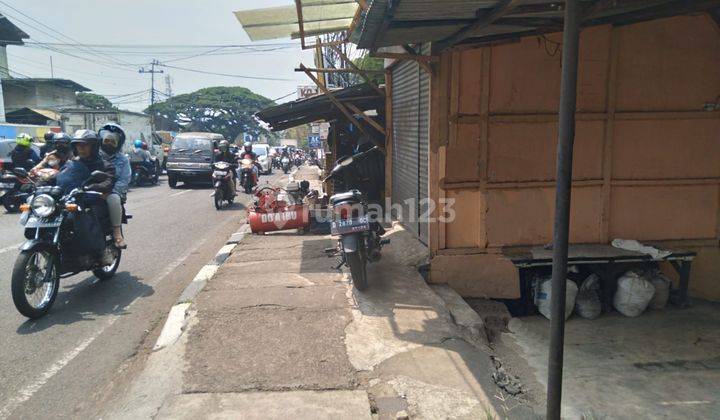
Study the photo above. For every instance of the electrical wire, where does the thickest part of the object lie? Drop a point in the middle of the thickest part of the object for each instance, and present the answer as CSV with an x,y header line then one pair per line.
x,y
56,31
227,75
283,97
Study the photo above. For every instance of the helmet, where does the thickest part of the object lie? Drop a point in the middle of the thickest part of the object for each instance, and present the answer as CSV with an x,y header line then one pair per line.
x,y
144,146
247,146
49,136
86,137
62,142
138,144
224,145
23,140
113,128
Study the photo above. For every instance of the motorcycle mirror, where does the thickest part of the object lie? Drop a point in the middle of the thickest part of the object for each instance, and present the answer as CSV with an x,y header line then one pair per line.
x,y
21,172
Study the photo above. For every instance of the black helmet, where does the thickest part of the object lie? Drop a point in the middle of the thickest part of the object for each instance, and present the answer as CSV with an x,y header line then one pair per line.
x,y
115,129
86,137
62,141
49,136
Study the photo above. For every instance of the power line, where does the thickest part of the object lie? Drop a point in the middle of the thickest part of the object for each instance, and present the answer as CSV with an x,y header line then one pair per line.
x,y
117,61
239,76
15,57
283,97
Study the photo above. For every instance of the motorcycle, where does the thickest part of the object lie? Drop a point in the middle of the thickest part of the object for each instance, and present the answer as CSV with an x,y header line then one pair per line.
x,y
248,178
223,183
141,175
66,235
286,165
15,188
359,239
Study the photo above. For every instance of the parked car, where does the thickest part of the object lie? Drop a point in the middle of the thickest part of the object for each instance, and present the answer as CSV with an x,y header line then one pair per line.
x,y
264,159
7,146
191,157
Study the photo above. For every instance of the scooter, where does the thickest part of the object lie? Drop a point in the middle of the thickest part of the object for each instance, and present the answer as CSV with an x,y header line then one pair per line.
x,y
359,239
223,183
141,175
248,178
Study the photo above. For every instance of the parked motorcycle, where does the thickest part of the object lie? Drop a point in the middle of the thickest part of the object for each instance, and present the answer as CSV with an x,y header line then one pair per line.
x,y
223,183
67,234
360,239
141,175
286,165
248,179
15,188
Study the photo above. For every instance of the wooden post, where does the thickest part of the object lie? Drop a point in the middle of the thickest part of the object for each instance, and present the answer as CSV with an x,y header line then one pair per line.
x,y
388,135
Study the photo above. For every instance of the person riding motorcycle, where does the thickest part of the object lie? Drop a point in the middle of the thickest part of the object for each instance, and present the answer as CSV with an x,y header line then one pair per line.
x,y
23,156
225,155
112,138
49,144
247,153
58,156
86,146
142,155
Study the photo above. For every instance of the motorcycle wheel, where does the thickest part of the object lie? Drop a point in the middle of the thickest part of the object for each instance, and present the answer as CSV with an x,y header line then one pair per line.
x,y
108,272
358,270
248,189
30,299
218,198
10,205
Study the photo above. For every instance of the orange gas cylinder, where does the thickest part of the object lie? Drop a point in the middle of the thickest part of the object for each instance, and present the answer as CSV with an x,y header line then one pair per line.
x,y
279,218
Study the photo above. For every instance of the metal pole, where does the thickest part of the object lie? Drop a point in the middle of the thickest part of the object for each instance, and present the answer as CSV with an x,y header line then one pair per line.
x,y
566,137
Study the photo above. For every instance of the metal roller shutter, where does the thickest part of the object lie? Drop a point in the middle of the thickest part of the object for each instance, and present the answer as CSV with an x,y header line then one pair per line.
x,y
411,104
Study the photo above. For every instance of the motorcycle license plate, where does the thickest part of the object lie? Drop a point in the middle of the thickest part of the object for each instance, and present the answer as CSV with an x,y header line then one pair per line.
x,y
343,227
4,185
34,222
220,174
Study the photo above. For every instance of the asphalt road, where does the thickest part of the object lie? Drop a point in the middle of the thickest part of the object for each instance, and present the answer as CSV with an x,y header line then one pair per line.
x,y
51,367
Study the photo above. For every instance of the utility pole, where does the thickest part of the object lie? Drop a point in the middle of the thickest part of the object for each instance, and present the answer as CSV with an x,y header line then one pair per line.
x,y
52,71
152,72
168,86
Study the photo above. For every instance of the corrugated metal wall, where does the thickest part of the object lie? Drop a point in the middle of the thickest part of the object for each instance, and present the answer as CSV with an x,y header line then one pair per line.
x,y
411,110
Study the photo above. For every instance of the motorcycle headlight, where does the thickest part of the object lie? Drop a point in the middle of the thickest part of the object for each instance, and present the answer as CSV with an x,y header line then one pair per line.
x,y
2,192
42,205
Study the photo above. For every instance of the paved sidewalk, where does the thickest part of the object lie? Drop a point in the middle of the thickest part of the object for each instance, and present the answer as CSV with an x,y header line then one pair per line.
x,y
277,333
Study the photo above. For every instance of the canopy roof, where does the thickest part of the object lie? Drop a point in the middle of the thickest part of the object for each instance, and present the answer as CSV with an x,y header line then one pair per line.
x,y
317,108
318,17
449,22
63,83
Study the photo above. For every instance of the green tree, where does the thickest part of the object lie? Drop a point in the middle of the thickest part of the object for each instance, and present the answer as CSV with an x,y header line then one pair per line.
x,y
371,63
225,110
94,101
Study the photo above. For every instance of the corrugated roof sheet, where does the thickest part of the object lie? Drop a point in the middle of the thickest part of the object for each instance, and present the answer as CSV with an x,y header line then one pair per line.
x,y
318,108
65,83
319,16
388,23
9,33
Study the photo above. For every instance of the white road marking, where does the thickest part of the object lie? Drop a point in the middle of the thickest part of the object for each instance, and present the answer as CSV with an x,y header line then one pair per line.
x,y
26,393
179,193
10,248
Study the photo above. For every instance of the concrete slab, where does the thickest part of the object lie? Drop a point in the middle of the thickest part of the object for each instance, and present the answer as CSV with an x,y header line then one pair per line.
x,y
268,349
446,380
298,405
463,315
235,300
311,248
229,279
663,364
280,266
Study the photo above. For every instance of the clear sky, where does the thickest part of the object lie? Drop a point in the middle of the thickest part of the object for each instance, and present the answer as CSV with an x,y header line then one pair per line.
x,y
149,28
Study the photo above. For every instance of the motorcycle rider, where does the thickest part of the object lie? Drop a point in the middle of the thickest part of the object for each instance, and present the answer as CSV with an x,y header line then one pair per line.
x,y
23,156
247,153
113,137
57,157
86,146
141,155
49,144
225,155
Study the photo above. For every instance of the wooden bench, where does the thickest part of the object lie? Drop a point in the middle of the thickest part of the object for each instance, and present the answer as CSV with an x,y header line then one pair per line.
x,y
605,260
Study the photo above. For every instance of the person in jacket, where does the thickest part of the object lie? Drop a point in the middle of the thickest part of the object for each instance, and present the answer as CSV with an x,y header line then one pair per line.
x,y
23,156
112,138
141,155
49,144
86,147
225,155
58,156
